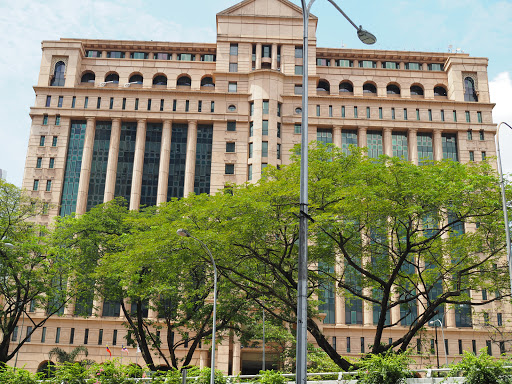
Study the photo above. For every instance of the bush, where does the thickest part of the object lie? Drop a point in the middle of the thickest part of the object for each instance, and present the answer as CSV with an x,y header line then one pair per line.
x,y
9,375
70,373
389,368
482,369
270,377
204,377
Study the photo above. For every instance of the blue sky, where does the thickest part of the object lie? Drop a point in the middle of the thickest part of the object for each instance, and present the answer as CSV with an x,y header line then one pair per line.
x,y
478,27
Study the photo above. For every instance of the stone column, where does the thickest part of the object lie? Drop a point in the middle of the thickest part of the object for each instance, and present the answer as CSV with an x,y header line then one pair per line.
x,y
336,135
438,145
412,143
361,137
97,307
387,141
113,155
237,356
395,311
138,164
274,57
163,170
449,316
367,309
258,55
85,170
190,163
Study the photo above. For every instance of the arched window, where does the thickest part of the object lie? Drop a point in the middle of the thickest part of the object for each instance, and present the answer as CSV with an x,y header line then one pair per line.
x,y
469,90
47,369
88,77
345,86
323,85
393,89
160,80
184,81
207,82
58,75
113,77
440,91
232,108
416,90
369,89
136,79
298,110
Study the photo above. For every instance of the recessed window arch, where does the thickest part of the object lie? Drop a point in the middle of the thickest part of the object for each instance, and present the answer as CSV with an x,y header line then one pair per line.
x,y
207,81
232,108
369,89
160,80
440,90
323,86
393,89
58,75
184,80
136,78
347,87
88,77
469,90
298,110
113,77
417,90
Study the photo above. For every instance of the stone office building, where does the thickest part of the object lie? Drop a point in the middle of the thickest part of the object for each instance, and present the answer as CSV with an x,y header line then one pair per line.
x,y
150,121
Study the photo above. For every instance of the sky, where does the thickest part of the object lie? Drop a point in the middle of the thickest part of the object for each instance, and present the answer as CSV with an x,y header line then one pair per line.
x,y
478,27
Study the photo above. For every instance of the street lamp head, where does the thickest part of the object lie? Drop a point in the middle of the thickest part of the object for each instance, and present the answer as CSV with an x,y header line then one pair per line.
x,y
365,36
183,232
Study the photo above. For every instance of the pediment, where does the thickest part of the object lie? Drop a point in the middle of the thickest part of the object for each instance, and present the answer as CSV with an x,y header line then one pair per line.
x,y
281,8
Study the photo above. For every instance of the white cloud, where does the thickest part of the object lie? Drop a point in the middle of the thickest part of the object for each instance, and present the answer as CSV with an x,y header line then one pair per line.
x,y
501,94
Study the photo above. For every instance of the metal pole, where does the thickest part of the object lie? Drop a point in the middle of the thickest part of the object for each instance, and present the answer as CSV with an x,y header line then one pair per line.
x,y
437,346
302,316
263,357
212,373
504,200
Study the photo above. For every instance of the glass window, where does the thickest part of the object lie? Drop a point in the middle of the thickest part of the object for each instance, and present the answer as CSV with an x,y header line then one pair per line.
x,y
484,155
380,112
41,141
298,52
207,82
330,110
323,85
186,57
57,335
471,156
112,78
369,88
251,108
174,103
368,112
266,51
367,64
324,135
429,115
249,172
393,89
232,87
39,162
435,67
374,144
342,111
149,104
54,141
405,113
98,103
425,148
48,185
36,185
298,89
416,90
500,319
482,135
136,107
187,105
232,108
479,116
115,55
233,49
208,57
298,110
417,114
230,147
93,54
86,336
469,90
229,169
344,63
73,102
265,107
355,112
468,117
413,66
184,81
86,102
58,75
111,104
136,79
442,114
43,335
233,67
323,62
440,91
45,119
29,333
264,127
212,106
57,120
278,151
48,101
111,308
390,65
393,113
264,149
231,126
162,105
251,150
455,116
52,163
278,130
297,128
400,144
318,110
346,87
450,146
139,55
279,106
162,56
61,99
298,69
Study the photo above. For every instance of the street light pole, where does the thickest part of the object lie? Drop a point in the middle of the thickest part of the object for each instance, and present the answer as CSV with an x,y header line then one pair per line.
x,y
444,340
185,233
504,199
302,280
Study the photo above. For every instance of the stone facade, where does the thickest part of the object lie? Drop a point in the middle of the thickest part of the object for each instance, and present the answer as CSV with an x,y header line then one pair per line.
x,y
240,99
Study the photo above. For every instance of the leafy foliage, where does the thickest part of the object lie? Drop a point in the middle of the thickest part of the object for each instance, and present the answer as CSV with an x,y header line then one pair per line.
x,y
388,368
483,369
270,377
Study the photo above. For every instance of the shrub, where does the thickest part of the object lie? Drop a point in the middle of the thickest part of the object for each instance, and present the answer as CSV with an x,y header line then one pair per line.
x,y
389,368
9,375
270,377
482,369
204,377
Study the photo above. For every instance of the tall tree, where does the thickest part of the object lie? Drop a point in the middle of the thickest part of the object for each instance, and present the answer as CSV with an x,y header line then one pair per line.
x,y
34,274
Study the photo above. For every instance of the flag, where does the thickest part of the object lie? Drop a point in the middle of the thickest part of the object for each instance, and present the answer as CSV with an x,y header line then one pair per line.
x,y
124,349
108,350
